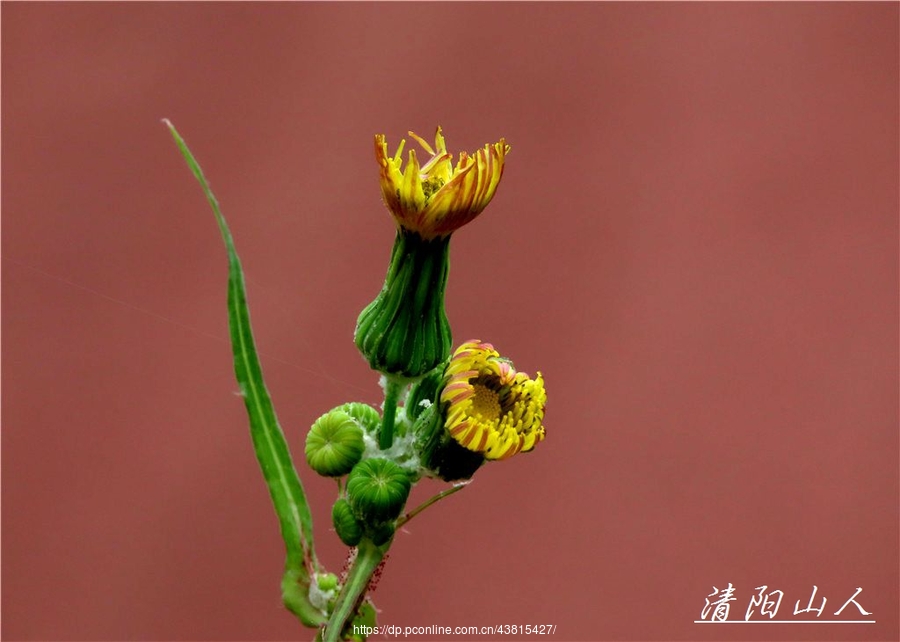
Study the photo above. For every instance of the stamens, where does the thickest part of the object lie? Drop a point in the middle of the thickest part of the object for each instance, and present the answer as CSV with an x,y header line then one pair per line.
x,y
422,142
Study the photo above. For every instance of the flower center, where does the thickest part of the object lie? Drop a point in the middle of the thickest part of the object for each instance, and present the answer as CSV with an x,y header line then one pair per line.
x,y
431,185
485,403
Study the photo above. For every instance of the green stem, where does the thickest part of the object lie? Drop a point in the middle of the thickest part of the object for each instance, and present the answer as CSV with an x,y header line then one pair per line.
x,y
392,391
418,509
368,557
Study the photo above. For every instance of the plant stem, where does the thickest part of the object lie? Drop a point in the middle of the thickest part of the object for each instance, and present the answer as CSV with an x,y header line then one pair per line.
x,y
368,557
418,509
392,390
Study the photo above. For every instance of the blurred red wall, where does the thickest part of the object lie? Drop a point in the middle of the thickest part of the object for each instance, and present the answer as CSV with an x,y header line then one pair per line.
x,y
695,240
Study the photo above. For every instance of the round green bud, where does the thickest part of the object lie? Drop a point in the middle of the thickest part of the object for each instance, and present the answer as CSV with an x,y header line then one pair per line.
x,y
377,489
334,444
322,591
345,523
365,415
327,581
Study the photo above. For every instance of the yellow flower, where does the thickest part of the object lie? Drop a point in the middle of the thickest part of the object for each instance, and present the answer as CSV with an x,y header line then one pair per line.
x,y
491,408
437,198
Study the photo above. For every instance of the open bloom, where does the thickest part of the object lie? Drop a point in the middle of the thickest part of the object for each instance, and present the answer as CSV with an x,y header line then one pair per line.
x,y
491,408
437,198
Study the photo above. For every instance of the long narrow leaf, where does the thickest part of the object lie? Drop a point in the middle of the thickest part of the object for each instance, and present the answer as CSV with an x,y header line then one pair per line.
x,y
268,438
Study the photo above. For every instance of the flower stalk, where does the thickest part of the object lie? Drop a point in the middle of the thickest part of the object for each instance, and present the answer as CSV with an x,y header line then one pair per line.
x,y
392,390
368,557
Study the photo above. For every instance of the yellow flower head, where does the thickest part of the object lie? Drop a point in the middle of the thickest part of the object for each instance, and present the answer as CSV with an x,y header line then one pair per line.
x,y
491,408
437,198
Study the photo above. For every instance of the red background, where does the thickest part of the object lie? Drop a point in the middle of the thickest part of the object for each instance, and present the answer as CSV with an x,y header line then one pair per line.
x,y
696,241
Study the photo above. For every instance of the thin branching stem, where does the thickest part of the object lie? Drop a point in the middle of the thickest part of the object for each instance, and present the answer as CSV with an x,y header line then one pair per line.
x,y
418,509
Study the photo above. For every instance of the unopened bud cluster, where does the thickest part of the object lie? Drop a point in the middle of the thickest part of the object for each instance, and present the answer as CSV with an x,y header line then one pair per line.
x,y
376,487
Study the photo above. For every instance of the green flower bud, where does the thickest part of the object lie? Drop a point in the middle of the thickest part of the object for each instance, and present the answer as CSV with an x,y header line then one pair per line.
x,y
327,581
323,591
345,523
404,331
364,414
334,444
377,489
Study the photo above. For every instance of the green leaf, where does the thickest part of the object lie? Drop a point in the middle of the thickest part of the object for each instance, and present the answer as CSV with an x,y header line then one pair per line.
x,y
268,439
